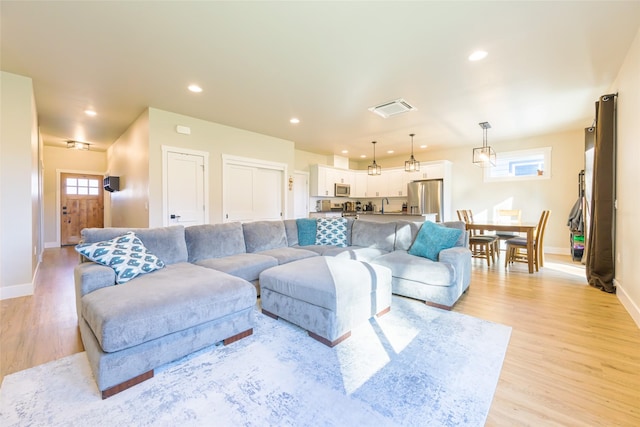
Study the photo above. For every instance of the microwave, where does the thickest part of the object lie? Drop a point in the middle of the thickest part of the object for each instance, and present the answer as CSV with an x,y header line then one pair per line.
x,y
342,190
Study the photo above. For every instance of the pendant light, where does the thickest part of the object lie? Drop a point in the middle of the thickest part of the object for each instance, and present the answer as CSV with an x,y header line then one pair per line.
x,y
412,165
484,156
374,168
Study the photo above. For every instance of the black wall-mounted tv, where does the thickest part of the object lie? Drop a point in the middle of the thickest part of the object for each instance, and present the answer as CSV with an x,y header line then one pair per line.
x,y
111,183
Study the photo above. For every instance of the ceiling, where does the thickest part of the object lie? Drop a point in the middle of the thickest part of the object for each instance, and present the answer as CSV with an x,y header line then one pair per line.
x,y
326,63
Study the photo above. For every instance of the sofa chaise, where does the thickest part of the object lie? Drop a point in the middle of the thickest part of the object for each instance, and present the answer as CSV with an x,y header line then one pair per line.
x,y
206,292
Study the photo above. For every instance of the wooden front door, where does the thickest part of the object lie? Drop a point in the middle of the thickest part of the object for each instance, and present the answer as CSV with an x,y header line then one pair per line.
x,y
81,205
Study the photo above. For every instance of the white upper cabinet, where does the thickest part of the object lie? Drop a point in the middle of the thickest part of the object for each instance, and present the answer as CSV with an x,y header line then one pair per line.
x,y
323,178
392,183
360,184
318,182
397,183
377,185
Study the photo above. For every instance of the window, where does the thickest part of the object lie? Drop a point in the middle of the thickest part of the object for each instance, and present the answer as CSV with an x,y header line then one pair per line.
x,y
520,165
82,187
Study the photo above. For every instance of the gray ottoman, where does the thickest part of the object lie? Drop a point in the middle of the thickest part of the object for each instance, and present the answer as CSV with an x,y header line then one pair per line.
x,y
327,296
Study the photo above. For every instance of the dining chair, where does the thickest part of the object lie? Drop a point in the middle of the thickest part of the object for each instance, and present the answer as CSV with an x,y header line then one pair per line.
x,y
517,246
507,216
481,245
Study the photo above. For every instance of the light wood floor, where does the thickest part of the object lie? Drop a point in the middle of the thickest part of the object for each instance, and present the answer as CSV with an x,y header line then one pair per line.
x,y
573,358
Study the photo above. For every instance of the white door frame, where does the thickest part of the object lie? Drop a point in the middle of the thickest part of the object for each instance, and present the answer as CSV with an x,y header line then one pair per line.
x,y
305,175
166,149
255,163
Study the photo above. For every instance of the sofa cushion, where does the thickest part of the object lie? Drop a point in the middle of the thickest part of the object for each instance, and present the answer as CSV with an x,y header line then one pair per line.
x,y
288,254
175,298
376,235
406,232
167,243
245,266
126,254
433,238
214,240
331,231
291,230
357,253
264,235
307,228
463,240
417,269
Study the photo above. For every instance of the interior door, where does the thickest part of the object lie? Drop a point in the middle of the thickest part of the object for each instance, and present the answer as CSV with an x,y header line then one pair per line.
x,y
268,194
239,189
251,191
81,205
185,189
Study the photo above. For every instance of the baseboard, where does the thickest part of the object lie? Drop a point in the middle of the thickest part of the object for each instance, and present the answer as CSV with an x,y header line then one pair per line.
x,y
557,251
48,245
627,302
16,291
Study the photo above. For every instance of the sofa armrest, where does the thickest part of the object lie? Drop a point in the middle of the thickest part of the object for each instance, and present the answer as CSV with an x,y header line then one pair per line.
x,y
460,259
89,277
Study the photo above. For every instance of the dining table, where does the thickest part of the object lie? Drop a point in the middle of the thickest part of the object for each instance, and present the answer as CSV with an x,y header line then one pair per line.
x,y
518,227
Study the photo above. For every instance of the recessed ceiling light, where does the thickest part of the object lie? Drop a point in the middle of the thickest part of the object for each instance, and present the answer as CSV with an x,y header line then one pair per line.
x,y
363,156
294,121
423,146
390,152
195,88
478,55
90,113
345,151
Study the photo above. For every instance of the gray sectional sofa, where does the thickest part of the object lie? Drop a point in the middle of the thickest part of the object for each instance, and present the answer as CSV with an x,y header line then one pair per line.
x,y
206,293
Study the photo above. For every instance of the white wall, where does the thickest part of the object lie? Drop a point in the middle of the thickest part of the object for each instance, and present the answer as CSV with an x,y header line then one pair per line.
x,y
19,186
627,275
57,159
216,139
558,193
128,158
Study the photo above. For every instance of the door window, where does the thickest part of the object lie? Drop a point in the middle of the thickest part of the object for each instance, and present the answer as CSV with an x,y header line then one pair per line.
x,y
82,187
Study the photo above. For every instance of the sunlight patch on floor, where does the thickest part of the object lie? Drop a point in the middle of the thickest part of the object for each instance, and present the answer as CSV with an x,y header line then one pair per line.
x,y
574,270
380,337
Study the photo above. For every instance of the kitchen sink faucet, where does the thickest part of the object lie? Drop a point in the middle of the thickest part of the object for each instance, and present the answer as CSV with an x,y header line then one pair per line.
x,y
387,199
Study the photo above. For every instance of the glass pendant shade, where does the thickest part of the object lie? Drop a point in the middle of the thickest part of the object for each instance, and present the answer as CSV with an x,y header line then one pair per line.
x,y
412,165
484,156
374,168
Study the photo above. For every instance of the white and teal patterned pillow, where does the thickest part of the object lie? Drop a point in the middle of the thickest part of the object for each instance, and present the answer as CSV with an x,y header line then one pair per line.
x,y
331,231
125,254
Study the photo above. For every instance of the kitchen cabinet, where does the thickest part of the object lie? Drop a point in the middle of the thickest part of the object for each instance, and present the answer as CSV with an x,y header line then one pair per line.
x,y
323,178
392,183
319,177
397,183
360,184
377,185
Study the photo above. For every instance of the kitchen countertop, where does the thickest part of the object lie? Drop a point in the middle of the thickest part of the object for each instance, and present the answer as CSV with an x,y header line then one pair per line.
x,y
401,213
396,213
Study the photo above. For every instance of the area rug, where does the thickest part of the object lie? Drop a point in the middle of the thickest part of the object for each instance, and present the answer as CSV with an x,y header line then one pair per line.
x,y
415,366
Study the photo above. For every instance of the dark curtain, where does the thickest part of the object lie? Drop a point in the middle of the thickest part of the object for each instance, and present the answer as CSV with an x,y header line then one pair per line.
x,y
600,254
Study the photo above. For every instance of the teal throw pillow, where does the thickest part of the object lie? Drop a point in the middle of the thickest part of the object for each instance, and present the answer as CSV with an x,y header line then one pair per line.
x,y
306,231
125,254
432,238
332,232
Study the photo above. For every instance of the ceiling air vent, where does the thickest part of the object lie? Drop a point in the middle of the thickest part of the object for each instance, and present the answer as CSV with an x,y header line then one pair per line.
x,y
392,108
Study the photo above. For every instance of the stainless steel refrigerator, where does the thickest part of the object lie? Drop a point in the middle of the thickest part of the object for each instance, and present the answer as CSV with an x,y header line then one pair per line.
x,y
426,198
